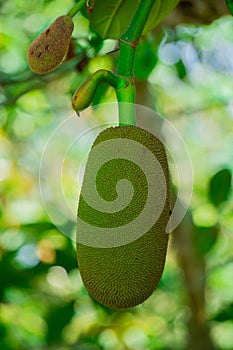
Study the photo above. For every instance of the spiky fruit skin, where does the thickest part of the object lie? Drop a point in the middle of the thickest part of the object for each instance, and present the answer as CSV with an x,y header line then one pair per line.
x,y
124,276
48,50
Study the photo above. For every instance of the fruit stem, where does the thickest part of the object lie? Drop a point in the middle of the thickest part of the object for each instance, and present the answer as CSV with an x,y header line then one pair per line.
x,y
76,8
128,44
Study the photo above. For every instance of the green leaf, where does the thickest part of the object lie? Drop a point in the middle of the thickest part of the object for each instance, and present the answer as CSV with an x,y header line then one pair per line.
x,y
205,238
57,318
225,314
160,10
220,187
39,226
111,19
181,70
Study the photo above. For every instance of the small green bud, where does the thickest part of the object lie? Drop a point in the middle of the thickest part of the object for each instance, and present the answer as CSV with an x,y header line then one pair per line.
x,y
84,95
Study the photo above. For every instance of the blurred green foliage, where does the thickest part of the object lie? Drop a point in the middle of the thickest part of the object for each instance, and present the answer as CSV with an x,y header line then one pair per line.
x,y
220,187
188,74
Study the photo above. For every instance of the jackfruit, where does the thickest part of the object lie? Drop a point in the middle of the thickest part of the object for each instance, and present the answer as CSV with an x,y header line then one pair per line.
x,y
48,50
123,211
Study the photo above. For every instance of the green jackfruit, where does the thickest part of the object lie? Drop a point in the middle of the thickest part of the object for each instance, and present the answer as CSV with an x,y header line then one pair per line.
x,y
121,248
48,50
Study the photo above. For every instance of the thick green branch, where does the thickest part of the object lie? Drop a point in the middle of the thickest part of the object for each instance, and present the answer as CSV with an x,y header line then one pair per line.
x,y
128,44
129,40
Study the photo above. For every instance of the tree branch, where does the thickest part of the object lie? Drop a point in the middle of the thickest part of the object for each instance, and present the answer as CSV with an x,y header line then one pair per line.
x,y
128,44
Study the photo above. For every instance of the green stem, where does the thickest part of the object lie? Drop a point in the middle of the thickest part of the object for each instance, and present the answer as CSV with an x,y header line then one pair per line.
x,y
128,44
229,4
126,107
76,8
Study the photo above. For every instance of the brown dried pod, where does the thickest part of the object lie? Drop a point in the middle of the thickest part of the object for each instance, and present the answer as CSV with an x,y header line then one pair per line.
x,y
49,49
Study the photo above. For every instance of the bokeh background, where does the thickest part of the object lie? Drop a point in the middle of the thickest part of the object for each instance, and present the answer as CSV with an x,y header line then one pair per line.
x,y
184,69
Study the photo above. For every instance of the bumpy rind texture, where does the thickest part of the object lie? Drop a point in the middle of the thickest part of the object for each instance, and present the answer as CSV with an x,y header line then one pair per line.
x,y
48,50
125,276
